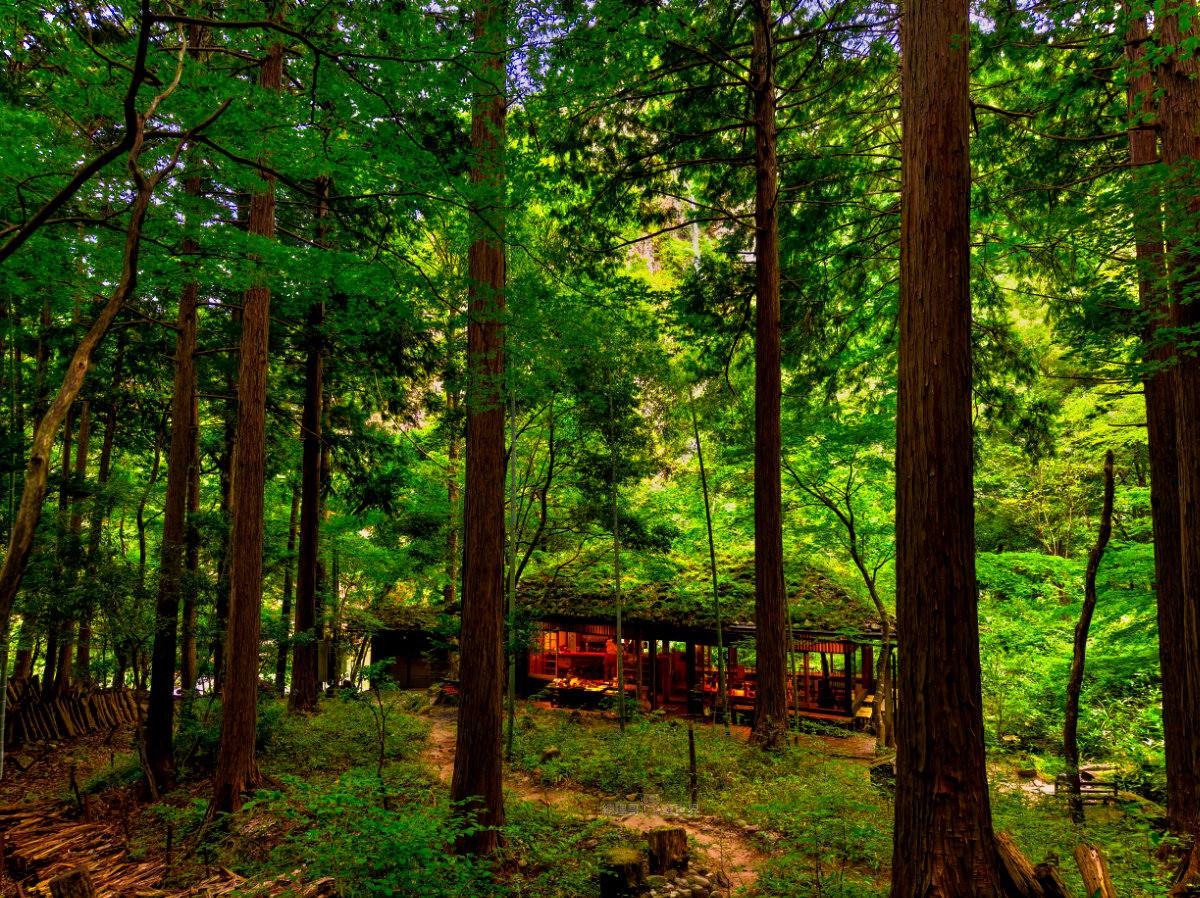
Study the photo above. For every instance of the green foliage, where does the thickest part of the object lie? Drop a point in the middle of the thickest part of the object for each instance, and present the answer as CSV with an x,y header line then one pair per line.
x,y
340,830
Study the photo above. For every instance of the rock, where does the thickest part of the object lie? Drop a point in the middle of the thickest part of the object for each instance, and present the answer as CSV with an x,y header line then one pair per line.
x,y
752,828
522,863
770,838
656,882
1027,773
741,823
632,796
702,882
549,753
591,843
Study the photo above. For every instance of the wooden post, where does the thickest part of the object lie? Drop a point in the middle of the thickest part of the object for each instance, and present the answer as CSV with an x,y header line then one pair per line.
x,y
692,762
1094,870
690,667
654,684
668,848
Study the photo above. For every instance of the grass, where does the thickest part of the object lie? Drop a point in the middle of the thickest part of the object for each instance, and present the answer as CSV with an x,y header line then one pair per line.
x,y
358,802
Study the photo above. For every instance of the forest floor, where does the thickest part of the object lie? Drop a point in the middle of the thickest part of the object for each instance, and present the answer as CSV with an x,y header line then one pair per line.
x,y
357,805
718,846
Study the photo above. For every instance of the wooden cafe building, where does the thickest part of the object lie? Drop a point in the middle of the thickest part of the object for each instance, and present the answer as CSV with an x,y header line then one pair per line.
x,y
671,648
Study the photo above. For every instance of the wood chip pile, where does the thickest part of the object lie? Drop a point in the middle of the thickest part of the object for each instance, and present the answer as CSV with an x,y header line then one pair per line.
x,y
40,840
226,882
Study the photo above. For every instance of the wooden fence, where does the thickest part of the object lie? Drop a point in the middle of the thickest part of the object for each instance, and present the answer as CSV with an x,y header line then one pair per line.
x,y
32,717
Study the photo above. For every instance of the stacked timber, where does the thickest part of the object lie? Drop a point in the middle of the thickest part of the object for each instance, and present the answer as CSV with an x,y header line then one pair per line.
x,y
31,717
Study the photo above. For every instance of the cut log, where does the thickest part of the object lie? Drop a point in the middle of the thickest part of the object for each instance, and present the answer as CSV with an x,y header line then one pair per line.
x,y
75,883
1094,870
668,848
622,873
1051,881
1017,879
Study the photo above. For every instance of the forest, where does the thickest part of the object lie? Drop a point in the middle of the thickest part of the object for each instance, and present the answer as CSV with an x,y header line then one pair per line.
x,y
600,448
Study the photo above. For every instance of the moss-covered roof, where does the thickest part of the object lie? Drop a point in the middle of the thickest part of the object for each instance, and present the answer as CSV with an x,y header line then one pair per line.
x,y
816,601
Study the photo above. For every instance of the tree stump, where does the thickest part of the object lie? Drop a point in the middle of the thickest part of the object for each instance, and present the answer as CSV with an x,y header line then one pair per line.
x,y
1017,876
75,883
1094,870
622,873
668,848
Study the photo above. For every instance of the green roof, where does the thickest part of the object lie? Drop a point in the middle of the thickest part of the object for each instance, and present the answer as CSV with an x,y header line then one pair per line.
x,y
817,602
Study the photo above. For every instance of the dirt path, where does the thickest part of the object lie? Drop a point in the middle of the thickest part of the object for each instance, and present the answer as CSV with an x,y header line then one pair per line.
x,y
722,848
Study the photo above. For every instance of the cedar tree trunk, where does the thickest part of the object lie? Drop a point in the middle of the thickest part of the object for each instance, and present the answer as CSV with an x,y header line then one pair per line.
x,y
477,782
160,718
770,601
1179,116
237,770
304,649
943,842
285,611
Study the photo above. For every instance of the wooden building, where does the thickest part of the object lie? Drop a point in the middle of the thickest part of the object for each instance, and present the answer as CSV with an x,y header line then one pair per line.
x,y
414,660
670,649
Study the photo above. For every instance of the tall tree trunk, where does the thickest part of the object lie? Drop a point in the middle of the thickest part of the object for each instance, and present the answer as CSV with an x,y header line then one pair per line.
x,y
770,598
450,590
225,464
304,649
477,783
1159,382
1179,117
285,611
160,719
187,650
237,769
74,555
64,625
943,842
1079,659
99,513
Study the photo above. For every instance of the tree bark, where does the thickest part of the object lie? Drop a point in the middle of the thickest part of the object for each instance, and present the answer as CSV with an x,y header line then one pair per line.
x,y
477,783
99,513
1075,681
304,649
1179,116
943,840
160,718
187,651
237,768
1159,383
770,599
285,610
450,590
